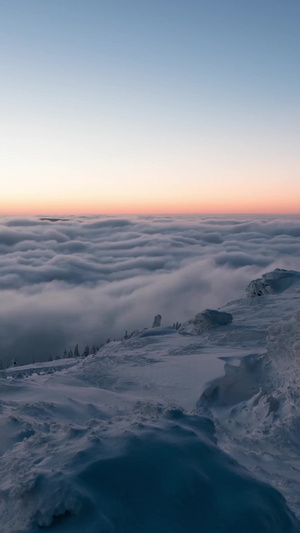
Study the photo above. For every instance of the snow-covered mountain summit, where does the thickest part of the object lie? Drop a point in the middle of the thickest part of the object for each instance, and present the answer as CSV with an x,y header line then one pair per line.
x,y
150,433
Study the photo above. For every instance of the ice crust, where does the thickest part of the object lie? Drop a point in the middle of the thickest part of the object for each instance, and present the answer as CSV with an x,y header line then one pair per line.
x,y
161,432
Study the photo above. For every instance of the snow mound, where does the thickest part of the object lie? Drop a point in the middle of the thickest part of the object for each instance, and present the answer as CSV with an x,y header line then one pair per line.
x,y
207,319
164,473
273,282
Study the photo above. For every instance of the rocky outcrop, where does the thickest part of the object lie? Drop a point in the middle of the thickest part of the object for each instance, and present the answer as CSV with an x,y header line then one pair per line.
x,y
273,282
207,319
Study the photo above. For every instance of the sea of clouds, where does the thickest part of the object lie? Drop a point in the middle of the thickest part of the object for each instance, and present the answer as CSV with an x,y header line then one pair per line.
x,y
71,280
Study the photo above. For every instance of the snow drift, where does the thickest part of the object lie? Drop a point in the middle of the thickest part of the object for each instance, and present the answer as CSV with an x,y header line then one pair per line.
x,y
162,472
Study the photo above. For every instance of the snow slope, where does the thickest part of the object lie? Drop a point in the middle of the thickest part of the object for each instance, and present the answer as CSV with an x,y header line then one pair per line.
x,y
161,432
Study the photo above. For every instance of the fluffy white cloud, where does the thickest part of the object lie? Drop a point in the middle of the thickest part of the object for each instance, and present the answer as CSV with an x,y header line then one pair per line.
x,y
83,279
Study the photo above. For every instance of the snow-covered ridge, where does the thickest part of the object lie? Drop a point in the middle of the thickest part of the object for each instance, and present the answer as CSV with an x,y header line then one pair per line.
x,y
120,441
256,404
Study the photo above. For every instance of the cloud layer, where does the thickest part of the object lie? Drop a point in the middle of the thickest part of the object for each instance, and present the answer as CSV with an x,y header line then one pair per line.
x,y
83,279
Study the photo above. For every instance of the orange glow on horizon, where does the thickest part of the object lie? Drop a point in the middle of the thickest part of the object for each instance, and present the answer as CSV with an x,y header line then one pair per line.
x,y
150,208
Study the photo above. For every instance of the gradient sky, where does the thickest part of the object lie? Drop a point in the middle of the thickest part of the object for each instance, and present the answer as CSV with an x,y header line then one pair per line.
x,y
135,106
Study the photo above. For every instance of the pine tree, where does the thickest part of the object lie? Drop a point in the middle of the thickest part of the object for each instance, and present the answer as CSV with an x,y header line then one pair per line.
x,y
86,351
76,351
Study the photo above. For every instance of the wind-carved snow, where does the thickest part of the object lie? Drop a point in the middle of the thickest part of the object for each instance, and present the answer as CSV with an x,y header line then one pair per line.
x,y
148,434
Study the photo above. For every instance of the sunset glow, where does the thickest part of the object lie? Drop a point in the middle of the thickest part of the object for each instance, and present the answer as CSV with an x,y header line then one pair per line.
x,y
150,107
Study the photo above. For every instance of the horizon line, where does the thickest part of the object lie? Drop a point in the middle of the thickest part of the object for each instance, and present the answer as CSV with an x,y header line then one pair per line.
x,y
159,213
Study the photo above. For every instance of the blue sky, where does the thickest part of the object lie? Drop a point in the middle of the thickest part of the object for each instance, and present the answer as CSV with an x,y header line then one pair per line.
x,y
118,103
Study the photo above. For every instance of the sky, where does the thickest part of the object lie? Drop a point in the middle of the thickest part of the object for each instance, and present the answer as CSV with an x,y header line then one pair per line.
x,y
145,107
83,279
